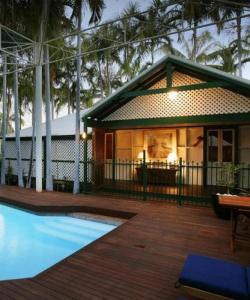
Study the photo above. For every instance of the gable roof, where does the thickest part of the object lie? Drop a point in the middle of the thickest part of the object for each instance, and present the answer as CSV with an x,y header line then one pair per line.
x,y
158,71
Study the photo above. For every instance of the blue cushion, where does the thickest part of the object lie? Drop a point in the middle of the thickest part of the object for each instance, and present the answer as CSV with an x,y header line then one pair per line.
x,y
215,276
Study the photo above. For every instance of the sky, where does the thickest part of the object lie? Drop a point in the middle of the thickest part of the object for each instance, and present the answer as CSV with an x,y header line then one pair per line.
x,y
115,7
113,10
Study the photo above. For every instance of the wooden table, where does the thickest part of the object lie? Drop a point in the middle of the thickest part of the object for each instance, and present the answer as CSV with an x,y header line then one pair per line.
x,y
238,205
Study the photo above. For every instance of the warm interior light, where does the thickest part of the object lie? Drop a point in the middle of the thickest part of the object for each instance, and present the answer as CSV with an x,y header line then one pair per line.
x,y
83,135
140,155
172,95
172,157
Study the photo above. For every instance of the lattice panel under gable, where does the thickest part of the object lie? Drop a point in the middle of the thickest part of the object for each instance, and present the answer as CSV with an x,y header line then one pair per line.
x,y
178,79
187,103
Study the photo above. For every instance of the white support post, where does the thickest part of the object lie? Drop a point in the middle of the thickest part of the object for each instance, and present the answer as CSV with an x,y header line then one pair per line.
x,y
38,120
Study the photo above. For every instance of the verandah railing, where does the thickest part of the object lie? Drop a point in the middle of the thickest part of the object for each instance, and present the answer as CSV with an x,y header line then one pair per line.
x,y
181,181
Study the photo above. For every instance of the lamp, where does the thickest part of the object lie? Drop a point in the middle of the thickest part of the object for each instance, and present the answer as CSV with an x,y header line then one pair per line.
x,y
172,157
83,135
172,95
140,155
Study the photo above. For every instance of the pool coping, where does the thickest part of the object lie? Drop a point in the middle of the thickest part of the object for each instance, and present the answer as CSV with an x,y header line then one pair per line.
x,y
65,209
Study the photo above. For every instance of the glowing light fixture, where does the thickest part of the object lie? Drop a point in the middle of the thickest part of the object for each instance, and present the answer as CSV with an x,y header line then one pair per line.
x,y
83,135
140,155
172,95
172,157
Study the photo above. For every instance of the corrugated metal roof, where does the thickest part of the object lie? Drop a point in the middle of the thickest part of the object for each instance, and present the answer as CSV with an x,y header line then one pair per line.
x,y
59,127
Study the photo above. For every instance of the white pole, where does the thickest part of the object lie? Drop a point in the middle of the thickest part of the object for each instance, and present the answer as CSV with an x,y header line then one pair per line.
x,y
38,118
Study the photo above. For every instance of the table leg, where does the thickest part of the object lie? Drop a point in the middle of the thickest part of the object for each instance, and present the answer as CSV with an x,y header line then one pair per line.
x,y
232,229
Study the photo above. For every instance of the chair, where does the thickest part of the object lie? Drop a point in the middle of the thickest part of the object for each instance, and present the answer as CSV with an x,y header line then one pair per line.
x,y
213,279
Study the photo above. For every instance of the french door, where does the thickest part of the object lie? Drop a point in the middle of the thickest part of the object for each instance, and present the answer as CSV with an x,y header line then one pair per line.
x,y
220,149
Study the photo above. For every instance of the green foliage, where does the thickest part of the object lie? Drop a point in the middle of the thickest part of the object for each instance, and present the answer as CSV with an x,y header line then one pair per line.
x,y
108,63
229,176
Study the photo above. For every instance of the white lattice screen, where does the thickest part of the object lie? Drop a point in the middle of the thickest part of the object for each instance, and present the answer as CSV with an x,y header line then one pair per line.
x,y
63,156
187,103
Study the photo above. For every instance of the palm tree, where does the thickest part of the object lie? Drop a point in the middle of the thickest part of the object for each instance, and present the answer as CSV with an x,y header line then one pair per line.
x,y
229,10
204,43
194,13
96,8
42,20
225,58
17,127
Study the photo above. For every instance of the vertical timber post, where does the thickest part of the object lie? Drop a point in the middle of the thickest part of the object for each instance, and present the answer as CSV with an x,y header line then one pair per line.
x,y
180,182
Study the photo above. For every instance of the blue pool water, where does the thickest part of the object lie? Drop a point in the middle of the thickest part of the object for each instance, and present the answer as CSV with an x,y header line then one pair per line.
x,y
29,243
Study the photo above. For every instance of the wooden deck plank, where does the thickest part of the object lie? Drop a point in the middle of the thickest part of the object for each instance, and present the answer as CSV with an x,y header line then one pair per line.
x,y
141,259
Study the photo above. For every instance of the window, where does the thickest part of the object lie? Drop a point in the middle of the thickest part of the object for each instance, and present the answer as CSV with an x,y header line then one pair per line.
x,y
108,145
220,145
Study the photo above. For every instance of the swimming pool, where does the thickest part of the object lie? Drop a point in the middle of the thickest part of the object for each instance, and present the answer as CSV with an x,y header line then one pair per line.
x,y
30,243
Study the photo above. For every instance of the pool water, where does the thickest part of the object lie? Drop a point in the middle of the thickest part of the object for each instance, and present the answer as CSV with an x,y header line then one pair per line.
x,y
29,243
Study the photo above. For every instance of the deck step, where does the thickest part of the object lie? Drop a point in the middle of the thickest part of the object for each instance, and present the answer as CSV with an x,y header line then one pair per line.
x,y
64,236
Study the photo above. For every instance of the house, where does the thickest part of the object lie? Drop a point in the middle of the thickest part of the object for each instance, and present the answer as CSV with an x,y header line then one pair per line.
x,y
177,110
168,133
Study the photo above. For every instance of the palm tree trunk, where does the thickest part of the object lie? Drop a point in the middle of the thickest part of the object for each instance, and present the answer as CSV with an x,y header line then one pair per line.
x,y
238,20
49,181
152,54
194,51
100,78
38,99
17,128
9,121
29,180
52,105
108,77
69,98
38,126
76,187
4,120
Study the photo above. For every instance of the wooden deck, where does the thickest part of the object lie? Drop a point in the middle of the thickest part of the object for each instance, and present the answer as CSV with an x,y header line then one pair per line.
x,y
141,259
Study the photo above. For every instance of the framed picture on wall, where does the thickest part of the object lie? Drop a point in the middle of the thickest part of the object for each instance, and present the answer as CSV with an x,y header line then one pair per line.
x,y
159,144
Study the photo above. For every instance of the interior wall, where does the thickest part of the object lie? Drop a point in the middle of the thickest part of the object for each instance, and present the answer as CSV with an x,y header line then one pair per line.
x,y
189,143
